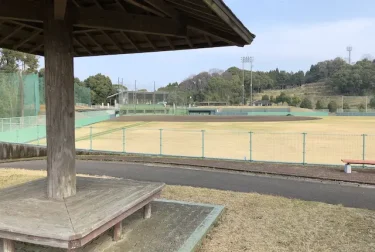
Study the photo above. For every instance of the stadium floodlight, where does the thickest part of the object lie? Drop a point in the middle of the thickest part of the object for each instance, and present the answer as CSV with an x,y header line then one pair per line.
x,y
250,60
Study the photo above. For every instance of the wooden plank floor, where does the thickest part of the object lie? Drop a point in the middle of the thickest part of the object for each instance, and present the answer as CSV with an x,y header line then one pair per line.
x,y
26,214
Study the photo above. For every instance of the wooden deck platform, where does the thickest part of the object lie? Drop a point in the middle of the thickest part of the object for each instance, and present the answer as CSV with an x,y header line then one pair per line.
x,y
27,215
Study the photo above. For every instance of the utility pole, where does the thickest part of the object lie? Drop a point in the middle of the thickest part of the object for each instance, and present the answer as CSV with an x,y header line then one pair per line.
x,y
350,49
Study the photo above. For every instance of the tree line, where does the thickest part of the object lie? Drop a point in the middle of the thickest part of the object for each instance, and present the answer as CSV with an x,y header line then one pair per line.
x,y
226,86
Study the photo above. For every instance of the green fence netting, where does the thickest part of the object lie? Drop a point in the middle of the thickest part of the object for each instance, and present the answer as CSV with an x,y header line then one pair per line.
x,y
22,94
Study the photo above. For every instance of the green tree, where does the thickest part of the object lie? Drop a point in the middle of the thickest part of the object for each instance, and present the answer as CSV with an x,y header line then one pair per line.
x,y
306,103
320,105
101,87
361,107
283,98
265,98
14,61
295,100
332,106
372,103
346,106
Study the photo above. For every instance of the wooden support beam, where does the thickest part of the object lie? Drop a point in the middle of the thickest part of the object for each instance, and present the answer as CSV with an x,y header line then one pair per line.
x,y
150,42
60,112
121,5
36,48
117,231
209,42
163,7
37,26
14,32
130,41
147,211
113,41
144,7
60,9
21,10
96,18
8,246
189,42
206,29
33,35
96,43
222,11
98,4
78,41
75,3
170,43
116,20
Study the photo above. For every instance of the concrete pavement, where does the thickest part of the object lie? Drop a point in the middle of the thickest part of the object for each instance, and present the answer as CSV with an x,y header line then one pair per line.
x,y
333,193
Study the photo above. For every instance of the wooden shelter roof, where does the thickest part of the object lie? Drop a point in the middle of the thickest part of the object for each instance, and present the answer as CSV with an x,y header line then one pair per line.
x,y
106,27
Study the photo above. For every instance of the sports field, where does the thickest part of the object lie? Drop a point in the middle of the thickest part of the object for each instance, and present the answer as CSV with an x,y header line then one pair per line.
x,y
326,141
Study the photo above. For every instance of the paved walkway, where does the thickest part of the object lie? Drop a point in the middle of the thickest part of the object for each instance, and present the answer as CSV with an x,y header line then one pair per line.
x,y
333,193
359,175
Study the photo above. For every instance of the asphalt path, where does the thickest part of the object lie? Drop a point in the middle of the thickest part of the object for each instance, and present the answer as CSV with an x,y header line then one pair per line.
x,y
328,192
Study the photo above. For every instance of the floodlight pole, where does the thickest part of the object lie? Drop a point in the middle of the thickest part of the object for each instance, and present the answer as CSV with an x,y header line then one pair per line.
x,y
250,60
243,80
251,80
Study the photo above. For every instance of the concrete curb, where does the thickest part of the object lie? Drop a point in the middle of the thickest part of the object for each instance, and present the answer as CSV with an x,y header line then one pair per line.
x,y
196,238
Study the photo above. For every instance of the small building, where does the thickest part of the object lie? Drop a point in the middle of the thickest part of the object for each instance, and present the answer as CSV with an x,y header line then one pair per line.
x,y
262,103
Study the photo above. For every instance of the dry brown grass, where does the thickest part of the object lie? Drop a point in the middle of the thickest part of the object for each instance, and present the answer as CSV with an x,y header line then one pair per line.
x,y
254,222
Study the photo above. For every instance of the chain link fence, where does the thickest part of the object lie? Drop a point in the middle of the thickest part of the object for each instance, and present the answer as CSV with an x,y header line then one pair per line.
x,y
299,148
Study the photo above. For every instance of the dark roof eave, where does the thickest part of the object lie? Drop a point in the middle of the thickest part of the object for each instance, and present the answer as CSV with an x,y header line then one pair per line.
x,y
224,12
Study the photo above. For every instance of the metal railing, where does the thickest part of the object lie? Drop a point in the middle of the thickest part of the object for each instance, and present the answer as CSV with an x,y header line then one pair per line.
x,y
301,148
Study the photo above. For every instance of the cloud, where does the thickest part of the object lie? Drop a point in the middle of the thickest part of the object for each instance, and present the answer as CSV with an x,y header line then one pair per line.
x,y
308,42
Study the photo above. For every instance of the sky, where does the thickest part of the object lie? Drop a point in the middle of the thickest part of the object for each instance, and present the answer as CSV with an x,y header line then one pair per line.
x,y
290,35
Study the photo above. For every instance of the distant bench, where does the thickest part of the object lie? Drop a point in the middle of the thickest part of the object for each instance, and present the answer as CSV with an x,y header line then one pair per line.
x,y
349,162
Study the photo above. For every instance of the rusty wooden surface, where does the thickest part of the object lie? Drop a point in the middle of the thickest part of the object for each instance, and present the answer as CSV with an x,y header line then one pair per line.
x,y
8,246
147,211
117,231
28,215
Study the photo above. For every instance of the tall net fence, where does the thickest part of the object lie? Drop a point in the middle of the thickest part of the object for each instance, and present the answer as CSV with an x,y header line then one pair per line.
x,y
22,95
19,95
82,95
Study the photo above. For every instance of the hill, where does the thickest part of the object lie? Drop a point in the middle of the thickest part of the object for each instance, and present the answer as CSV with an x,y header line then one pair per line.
x,y
317,91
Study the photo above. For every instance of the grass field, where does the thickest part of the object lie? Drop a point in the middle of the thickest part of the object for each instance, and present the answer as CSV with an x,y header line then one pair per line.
x,y
327,140
260,223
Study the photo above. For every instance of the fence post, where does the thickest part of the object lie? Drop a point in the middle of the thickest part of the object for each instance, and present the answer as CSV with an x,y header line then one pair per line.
x,y
161,142
17,138
123,140
363,148
251,146
37,134
90,138
203,143
2,125
304,149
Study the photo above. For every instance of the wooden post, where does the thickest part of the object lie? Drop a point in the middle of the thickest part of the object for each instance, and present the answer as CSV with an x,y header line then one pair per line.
x,y
117,231
147,211
8,246
59,92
